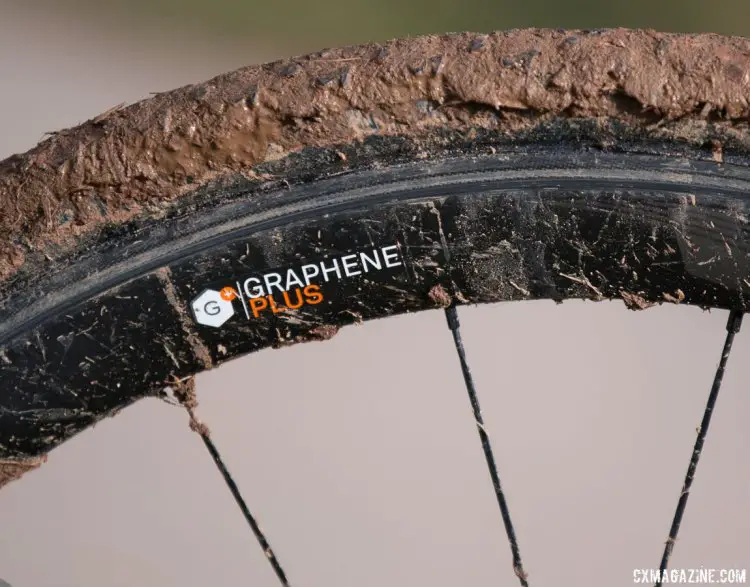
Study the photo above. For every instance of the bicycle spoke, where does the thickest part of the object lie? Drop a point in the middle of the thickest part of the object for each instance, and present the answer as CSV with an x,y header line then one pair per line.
x,y
245,510
733,327
452,317
185,392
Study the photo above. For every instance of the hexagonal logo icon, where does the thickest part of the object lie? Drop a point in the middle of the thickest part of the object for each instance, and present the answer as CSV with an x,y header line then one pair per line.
x,y
210,308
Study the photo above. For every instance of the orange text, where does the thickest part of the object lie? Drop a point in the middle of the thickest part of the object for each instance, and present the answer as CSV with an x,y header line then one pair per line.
x,y
292,300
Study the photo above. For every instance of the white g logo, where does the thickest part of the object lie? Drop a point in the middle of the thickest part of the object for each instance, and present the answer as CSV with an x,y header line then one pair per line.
x,y
210,309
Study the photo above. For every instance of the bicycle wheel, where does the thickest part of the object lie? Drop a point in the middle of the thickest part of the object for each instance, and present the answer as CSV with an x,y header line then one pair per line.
x,y
276,204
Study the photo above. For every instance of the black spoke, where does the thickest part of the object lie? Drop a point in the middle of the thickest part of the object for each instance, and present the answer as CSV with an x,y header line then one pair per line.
x,y
185,392
452,316
245,511
733,326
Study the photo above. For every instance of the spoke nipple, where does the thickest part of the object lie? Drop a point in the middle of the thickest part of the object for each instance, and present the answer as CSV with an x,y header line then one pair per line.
x,y
735,321
452,316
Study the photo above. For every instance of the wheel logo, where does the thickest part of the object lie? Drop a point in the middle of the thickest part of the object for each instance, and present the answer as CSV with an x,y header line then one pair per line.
x,y
213,308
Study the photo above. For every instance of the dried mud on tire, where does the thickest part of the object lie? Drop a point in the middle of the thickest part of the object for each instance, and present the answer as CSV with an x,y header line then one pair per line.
x,y
134,162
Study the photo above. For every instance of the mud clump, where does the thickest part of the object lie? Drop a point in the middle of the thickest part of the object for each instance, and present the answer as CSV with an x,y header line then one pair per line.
x,y
439,296
323,332
634,301
12,470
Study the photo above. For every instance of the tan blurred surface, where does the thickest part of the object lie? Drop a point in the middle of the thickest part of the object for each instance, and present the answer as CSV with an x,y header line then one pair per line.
x,y
359,456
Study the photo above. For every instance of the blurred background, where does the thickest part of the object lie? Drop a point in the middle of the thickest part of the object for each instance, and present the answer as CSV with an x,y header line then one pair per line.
x,y
376,480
